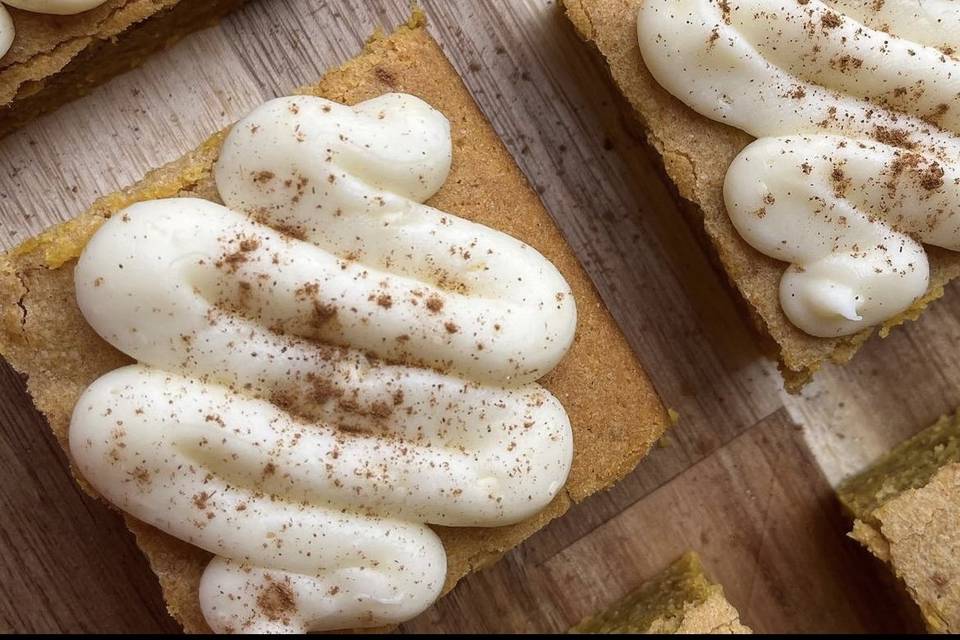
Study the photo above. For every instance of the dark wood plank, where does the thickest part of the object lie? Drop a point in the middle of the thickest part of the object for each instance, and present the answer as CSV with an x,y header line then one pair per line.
x,y
763,518
67,562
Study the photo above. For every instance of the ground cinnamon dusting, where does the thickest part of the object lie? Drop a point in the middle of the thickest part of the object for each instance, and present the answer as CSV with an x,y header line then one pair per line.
x,y
232,261
277,601
200,500
725,10
893,137
845,63
831,20
214,418
381,410
932,178
141,475
324,390
797,93
434,304
840,182
937,114
714,36
322,314
290,230
249,244
282,399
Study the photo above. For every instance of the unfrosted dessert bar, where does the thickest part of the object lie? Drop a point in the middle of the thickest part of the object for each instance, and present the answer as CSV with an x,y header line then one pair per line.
x,y
906,511
56,57
680,599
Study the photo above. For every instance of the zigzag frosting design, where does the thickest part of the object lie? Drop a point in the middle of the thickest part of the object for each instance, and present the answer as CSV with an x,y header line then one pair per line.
x,y
325,366
856,162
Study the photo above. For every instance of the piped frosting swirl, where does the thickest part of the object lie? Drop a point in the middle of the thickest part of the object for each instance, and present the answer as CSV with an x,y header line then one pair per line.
x,y
855,165
325,366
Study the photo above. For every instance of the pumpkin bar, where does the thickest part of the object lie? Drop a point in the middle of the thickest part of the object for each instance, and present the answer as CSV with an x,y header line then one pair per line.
x,y
680,599
696,153
907,513
614,410
57,58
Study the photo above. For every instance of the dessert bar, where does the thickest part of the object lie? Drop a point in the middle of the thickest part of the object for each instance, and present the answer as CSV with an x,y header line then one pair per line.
x,y
614,414
680,599
60,54
907,513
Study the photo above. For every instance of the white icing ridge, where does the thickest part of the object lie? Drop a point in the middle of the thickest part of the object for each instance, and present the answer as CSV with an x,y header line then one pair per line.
x,y
325,367
57,7
359,199
930,22
7,31
857,154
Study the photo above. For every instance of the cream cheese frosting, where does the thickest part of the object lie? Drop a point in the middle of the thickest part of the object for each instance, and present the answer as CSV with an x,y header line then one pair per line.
x,y
930,22
856,159
7,30
325,367
55,7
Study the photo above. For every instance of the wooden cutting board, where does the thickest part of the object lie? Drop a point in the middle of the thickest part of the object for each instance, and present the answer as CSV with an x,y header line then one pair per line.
x,y
745,477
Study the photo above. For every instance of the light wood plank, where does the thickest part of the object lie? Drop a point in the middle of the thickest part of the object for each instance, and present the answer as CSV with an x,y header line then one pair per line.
x,y
894,388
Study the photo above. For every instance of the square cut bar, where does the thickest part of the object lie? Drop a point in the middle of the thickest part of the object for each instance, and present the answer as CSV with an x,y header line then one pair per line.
x,y
680,599
615,412
907,513
696,153
55,59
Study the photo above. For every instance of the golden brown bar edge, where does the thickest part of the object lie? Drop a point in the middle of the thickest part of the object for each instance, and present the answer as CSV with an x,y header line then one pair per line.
x,y
56,59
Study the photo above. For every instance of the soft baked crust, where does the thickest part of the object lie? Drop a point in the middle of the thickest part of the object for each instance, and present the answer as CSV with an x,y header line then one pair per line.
x,y
681,599
55,59
615,412
906,508
696,153
916,533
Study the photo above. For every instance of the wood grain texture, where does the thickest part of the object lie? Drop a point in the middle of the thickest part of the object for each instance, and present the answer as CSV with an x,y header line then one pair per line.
x,y
760,514
736,481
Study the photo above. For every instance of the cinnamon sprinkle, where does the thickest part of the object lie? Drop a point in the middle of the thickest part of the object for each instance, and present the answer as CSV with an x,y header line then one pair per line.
x,y
277,601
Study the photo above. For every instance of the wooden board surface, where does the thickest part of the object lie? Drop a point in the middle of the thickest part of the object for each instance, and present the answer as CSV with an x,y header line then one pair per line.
x,y
745,478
